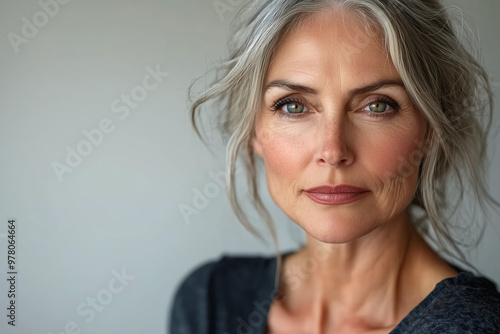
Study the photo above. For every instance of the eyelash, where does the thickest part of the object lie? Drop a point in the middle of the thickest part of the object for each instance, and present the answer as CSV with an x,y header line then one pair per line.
x,y
275,107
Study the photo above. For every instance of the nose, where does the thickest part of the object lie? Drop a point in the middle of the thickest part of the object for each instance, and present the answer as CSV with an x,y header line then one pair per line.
x,y
333,144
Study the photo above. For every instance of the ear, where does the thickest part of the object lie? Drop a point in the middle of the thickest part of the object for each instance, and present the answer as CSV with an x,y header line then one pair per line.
x,y
256,146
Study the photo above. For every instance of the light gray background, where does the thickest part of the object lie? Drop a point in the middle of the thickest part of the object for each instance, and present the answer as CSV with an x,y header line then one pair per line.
x,y
119,209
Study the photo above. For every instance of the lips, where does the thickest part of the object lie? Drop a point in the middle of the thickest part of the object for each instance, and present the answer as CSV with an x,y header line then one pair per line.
x,y
338,195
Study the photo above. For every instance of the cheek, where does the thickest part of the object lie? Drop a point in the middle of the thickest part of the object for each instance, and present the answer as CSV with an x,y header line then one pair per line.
x,y
397,150
284,149
395,162
286,154
397,156
282,154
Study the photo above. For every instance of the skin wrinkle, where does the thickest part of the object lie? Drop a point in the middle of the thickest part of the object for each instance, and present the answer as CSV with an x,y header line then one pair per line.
x,y
364,283
432,90
340,80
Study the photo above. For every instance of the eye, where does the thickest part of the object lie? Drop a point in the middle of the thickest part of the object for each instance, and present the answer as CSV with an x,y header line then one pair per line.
x,y
381,107
290,107
294,108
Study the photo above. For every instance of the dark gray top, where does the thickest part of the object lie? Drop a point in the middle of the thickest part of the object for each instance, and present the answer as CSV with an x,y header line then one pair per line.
x,y
233,296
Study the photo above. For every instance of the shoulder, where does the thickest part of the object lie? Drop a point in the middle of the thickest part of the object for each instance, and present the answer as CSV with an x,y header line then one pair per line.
x,y
217,288
228,271
462,304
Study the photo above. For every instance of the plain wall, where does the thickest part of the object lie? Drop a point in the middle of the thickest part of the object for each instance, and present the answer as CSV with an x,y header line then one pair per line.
x,y
118,211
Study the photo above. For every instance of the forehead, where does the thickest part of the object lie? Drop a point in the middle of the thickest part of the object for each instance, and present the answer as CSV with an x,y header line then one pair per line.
x,y
331,44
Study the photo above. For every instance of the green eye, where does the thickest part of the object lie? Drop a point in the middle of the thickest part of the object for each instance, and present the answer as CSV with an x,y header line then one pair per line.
x,y
378,107
291,107
294,108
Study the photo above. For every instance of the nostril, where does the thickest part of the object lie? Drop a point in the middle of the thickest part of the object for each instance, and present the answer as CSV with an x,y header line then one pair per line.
x,y
333,140
335,156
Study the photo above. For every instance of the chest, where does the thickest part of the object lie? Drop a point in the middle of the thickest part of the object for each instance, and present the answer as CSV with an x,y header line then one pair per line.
x,y
282,321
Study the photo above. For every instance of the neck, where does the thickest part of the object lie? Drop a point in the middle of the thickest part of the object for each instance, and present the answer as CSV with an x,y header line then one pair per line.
x,y
379,277
367,262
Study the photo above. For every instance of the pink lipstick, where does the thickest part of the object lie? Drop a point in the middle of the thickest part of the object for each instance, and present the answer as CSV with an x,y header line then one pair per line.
x,y
338,195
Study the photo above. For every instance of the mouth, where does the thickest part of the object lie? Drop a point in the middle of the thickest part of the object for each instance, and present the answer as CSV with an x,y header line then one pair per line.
x,y
337,195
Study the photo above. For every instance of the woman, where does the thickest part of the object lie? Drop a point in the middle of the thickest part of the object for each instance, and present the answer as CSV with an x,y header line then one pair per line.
x,y
363,112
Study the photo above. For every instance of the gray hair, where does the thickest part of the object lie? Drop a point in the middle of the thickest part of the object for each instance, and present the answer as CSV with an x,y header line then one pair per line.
x,y
441,76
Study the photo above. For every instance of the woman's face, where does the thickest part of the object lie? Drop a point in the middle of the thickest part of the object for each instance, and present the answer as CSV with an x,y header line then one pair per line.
x,y
338,133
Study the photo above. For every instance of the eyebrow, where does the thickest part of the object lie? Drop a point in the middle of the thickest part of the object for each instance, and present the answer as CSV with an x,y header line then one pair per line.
x,y
290,86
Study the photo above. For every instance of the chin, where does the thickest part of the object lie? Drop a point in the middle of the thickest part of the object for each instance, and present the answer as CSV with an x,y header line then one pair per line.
x,y
335,230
